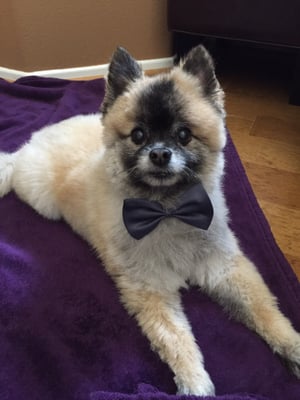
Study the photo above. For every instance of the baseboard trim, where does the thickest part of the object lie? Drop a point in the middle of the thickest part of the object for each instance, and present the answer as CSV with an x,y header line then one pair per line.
x,y
82,72
11,74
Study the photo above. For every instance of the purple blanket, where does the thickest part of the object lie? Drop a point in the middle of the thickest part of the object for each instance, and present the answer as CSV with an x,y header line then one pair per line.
x,y
63,332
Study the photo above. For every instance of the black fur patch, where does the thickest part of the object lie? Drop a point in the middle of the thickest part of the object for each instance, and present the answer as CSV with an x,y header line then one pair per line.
x,y
159,109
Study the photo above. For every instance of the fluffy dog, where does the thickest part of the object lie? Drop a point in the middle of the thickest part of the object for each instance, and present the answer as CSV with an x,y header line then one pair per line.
x,y
156,139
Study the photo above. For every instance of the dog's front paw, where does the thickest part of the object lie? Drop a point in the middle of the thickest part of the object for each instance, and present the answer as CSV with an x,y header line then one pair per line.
x,y
293,359
198,384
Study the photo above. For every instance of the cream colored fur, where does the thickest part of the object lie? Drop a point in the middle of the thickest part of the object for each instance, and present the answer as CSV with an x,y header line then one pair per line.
x,y
70,170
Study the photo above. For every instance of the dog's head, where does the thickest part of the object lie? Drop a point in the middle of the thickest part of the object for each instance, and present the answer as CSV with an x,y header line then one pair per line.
x,y
166,131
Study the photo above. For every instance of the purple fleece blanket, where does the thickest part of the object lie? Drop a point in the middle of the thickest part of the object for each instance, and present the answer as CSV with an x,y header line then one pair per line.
x,y
65,335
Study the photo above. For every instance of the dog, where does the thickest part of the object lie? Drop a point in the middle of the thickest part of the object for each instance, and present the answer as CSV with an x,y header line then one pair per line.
x,y
141,181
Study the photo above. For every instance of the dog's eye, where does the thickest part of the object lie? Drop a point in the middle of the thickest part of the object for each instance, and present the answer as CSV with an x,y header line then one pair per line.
x,y
184,136
138,136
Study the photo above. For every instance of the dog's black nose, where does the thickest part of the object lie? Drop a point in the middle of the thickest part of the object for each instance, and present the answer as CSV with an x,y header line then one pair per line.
x,y
160,156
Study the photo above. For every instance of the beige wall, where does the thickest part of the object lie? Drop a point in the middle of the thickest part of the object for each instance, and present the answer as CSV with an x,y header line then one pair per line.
x,y
42,34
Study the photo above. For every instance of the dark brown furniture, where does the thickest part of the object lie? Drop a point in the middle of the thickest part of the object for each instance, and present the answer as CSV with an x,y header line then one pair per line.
x,y
267,22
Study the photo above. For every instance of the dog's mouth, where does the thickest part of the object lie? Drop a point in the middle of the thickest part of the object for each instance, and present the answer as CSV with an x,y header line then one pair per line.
x,y
162,177
163,174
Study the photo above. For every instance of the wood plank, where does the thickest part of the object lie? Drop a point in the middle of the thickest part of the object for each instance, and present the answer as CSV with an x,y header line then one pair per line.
x,y
285,226
278,128
261,151
239,126
294,263
250,107
274,185
248,85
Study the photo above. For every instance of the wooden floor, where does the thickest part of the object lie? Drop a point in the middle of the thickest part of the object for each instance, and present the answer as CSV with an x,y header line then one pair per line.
x,y
266,132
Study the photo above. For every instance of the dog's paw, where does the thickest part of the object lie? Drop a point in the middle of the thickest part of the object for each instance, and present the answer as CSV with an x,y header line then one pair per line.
x,y
200,385
293,359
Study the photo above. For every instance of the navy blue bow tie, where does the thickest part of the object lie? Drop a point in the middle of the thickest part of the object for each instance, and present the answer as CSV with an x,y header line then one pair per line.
x,y
141,216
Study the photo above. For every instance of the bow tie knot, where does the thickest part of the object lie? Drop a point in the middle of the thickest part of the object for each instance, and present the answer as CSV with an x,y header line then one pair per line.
x,y
141,216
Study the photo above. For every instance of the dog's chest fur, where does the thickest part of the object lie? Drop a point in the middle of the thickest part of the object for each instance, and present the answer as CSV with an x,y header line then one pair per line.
x,y
170,256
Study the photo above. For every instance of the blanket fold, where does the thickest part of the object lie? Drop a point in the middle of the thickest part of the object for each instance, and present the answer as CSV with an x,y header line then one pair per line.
x,y
63,331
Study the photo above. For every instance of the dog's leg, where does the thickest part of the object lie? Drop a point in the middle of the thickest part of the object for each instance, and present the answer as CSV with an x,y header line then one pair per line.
x,y
244,294
162,320
27,172
7,164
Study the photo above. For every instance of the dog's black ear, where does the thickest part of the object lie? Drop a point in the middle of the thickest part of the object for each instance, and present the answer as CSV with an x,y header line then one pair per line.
x,y
199,63
123,70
